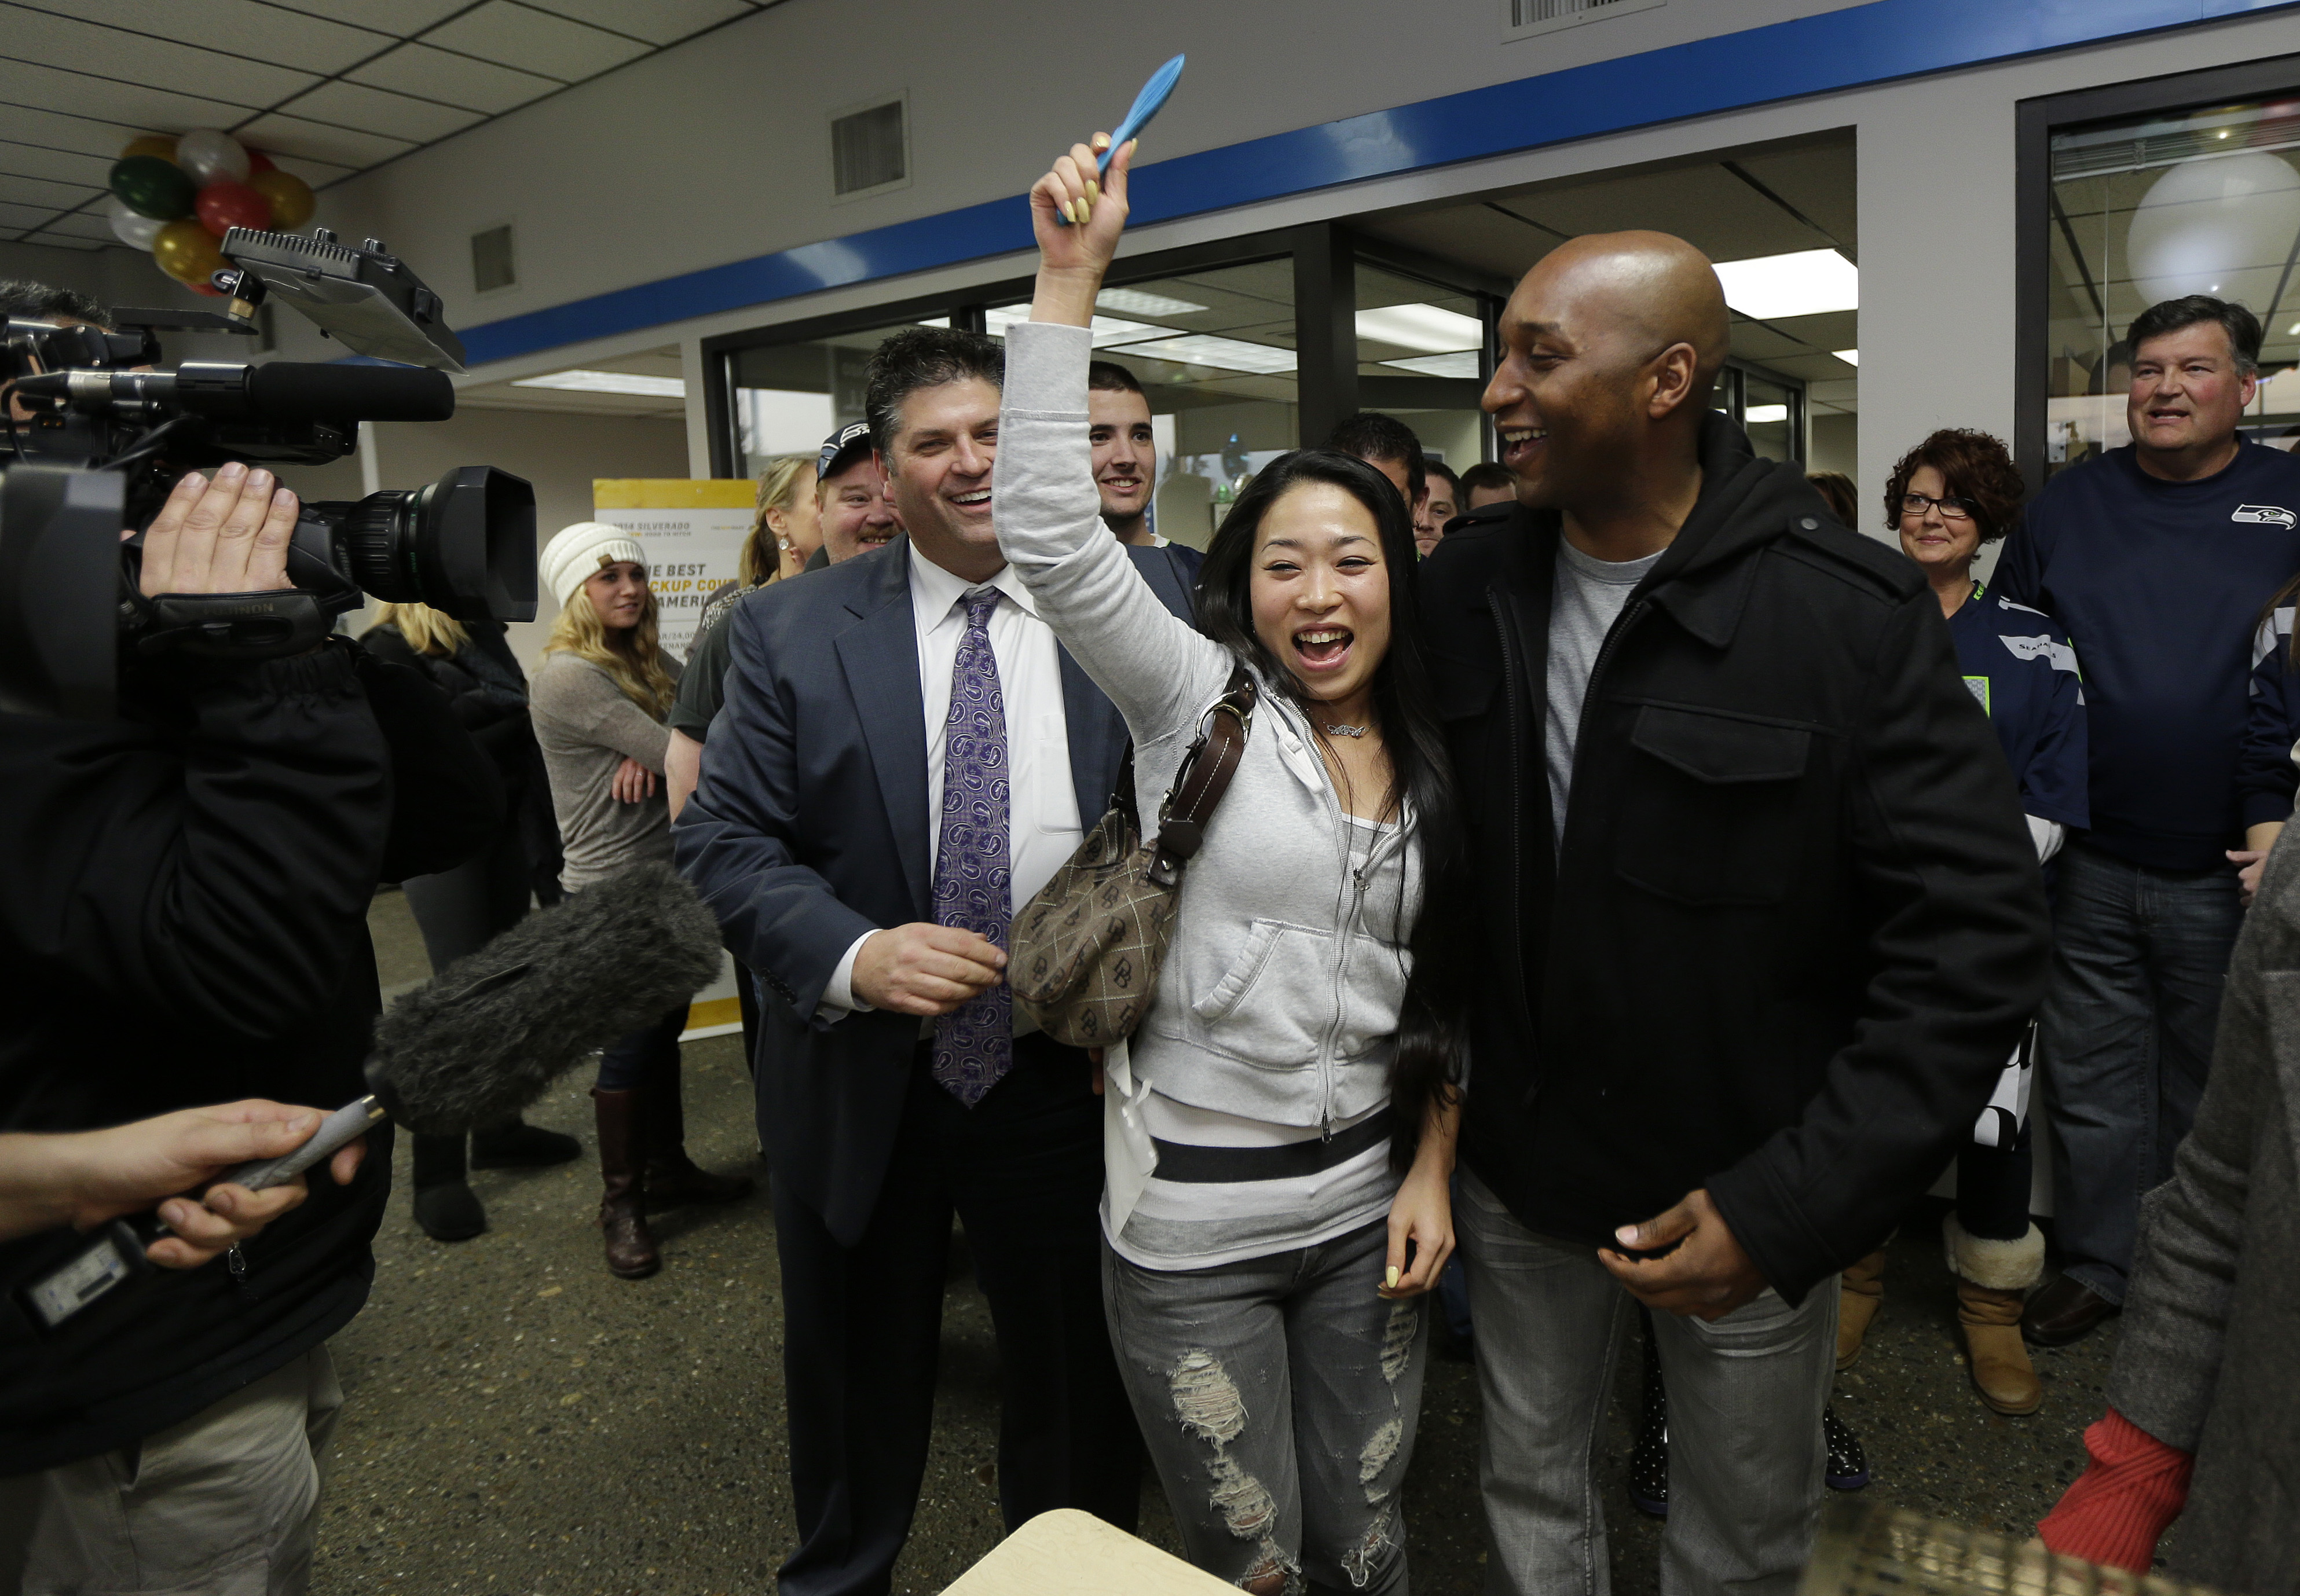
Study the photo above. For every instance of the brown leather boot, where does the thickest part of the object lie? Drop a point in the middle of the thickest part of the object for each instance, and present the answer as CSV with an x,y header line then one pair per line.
x,y
1862,1293
1992,1284
673,1178
622,1207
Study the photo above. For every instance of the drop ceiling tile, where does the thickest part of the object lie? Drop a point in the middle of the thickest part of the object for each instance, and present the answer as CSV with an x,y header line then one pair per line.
x,y
1820,181
83,224
55,131
458,79
535,41
39,191
134,58
398,18
659,21
136,108
317,141
380,111
48,237
58,166
242,28
16,218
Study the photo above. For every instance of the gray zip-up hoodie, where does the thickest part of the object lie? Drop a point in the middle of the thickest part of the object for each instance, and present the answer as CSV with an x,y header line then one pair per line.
x,y
1280,997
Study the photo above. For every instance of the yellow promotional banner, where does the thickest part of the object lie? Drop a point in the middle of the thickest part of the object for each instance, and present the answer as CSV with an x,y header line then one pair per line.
x,y
692,528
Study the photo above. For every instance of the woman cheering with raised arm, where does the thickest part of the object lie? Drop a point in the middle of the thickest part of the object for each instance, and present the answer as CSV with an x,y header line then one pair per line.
x,y
1295,1072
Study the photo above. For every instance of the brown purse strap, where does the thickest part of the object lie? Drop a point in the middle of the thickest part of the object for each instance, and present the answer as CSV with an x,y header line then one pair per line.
x,y
1204,777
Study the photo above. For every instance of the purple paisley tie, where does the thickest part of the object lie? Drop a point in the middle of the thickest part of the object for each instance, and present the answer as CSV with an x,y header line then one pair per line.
x,y
973,874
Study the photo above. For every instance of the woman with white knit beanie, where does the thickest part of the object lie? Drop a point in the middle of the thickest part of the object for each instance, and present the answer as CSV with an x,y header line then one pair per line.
x,y
599,701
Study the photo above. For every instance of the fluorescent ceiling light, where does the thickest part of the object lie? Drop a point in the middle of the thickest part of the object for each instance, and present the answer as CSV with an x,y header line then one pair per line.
x,y
1420,327
1851,357
608,382
1463,362
1141,302
1225,354
1775,287
1107,329
1757,415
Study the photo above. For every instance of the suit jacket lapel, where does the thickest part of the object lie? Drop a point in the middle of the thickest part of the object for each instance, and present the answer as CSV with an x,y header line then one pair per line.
x,y
880,654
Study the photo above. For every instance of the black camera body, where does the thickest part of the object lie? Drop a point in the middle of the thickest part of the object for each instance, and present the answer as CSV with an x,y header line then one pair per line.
x,y
83,401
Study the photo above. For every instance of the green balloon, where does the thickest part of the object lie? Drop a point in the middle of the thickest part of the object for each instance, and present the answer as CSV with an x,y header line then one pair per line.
x,y
151,187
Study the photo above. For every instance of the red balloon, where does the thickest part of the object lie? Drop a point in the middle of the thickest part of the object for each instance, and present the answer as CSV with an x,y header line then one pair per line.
x,y
257,161
224,204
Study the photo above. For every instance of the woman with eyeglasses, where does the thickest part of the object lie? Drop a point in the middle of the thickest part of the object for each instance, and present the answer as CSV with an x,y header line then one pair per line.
x,y
1949,495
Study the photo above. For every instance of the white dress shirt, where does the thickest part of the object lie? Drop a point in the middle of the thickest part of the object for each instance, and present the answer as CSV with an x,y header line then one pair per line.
x,y
1043,811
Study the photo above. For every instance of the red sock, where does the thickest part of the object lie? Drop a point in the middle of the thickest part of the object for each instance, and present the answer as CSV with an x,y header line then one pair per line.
x,y
2135,1486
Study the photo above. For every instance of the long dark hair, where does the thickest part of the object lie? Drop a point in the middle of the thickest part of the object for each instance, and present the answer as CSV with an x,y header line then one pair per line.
x,y
1427,1069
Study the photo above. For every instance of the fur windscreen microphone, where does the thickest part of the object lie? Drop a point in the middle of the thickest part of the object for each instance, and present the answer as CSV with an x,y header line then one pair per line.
x,y
488,1036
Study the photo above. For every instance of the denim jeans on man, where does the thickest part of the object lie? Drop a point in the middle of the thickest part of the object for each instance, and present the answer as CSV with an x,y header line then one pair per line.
x,y
1281,1395
1745,1398
2140,957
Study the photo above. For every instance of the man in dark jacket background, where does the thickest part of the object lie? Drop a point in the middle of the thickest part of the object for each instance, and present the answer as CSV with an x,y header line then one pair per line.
x,y
185,923
1761,913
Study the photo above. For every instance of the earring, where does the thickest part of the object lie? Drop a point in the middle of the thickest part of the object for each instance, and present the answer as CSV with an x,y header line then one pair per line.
x,y
783,544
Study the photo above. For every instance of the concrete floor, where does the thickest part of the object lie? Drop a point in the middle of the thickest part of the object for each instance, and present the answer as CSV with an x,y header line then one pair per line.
x,y
520,1421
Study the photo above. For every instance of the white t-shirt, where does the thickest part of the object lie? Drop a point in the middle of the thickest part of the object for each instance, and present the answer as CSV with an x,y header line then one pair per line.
x,y
1586,600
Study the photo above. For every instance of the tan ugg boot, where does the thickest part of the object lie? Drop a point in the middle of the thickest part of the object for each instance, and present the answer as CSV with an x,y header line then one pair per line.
x,y
1993,1279
1863,1294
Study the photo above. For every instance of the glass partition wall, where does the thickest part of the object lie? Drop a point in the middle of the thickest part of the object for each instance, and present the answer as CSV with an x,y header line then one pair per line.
x,y
1216,336
2142,192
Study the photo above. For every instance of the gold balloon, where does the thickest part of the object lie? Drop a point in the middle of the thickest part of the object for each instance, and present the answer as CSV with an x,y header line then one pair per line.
x,y
163,144
289,196
187,251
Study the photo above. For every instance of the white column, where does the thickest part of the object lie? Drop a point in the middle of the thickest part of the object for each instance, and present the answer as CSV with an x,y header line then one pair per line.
x,y
691,366
1937,270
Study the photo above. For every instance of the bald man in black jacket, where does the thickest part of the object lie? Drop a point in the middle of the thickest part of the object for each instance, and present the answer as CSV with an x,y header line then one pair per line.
x,y
1762,917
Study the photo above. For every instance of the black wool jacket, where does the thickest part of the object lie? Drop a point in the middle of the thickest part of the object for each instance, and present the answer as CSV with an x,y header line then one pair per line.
x,y
185,922
1795,925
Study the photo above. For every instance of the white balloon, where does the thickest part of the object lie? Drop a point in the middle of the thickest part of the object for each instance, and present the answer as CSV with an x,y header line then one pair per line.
x,y
2222,225
128,226
209,156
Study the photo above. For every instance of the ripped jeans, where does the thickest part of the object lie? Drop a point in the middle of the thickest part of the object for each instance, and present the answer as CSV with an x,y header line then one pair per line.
x,y
1278,1398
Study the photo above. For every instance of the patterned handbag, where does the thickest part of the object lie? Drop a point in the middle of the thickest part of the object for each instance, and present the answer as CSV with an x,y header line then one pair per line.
x,y
1083,955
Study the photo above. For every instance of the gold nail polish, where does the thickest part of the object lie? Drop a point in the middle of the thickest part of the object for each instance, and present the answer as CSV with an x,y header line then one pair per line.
x,y
1093,191
1390,1280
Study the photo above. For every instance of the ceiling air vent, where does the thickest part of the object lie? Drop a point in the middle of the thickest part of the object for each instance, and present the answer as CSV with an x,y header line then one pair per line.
x,y
492,266
869,149
1523,18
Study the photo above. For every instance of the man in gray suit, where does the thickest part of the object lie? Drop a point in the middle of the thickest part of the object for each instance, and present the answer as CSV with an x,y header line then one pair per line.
x,y
905,758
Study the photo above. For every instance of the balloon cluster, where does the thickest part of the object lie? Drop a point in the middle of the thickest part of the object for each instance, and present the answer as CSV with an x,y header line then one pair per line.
x,y
178,197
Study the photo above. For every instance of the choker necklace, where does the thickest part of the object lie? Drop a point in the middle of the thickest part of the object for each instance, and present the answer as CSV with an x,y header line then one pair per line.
x,y
1345,731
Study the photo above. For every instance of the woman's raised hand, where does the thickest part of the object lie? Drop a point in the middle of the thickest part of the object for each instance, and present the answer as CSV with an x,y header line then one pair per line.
x,y
1073,258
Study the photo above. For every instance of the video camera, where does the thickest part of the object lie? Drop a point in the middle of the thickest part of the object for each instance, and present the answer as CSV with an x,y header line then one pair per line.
x,y
95,438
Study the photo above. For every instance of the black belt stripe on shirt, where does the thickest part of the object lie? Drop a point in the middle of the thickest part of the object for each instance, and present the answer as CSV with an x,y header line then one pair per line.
x,y
1221,1166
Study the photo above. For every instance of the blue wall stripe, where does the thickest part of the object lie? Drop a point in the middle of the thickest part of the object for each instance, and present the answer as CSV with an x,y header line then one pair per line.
x,y
1836,50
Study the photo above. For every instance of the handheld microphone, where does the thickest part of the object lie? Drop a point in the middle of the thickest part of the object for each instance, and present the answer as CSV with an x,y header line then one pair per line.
x,y
488,1034
475,1045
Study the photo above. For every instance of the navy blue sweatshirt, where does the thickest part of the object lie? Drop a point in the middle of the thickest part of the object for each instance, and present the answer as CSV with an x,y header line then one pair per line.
x,y
2265,776
2161,585
2020,666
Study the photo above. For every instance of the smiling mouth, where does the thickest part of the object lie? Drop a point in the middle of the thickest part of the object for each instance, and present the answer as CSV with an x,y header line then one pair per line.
x,y
978,499
1323,648
1518,442
1122,485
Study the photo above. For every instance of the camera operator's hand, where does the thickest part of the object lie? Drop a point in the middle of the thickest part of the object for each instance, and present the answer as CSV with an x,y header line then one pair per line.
x,y
228,535
85,1178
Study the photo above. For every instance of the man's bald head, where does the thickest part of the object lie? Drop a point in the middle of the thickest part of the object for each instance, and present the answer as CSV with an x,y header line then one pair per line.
x,y
1611,346
1641,291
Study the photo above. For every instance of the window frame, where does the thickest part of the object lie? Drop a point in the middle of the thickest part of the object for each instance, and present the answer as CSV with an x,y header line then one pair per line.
x,y
2036,121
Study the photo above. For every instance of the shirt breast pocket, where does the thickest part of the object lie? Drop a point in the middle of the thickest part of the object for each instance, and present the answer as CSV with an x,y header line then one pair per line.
x,y
1708,813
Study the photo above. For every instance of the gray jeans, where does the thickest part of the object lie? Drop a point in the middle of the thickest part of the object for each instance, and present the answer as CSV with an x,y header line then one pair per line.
x,y
223,1504
1745,1398
1279,1397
